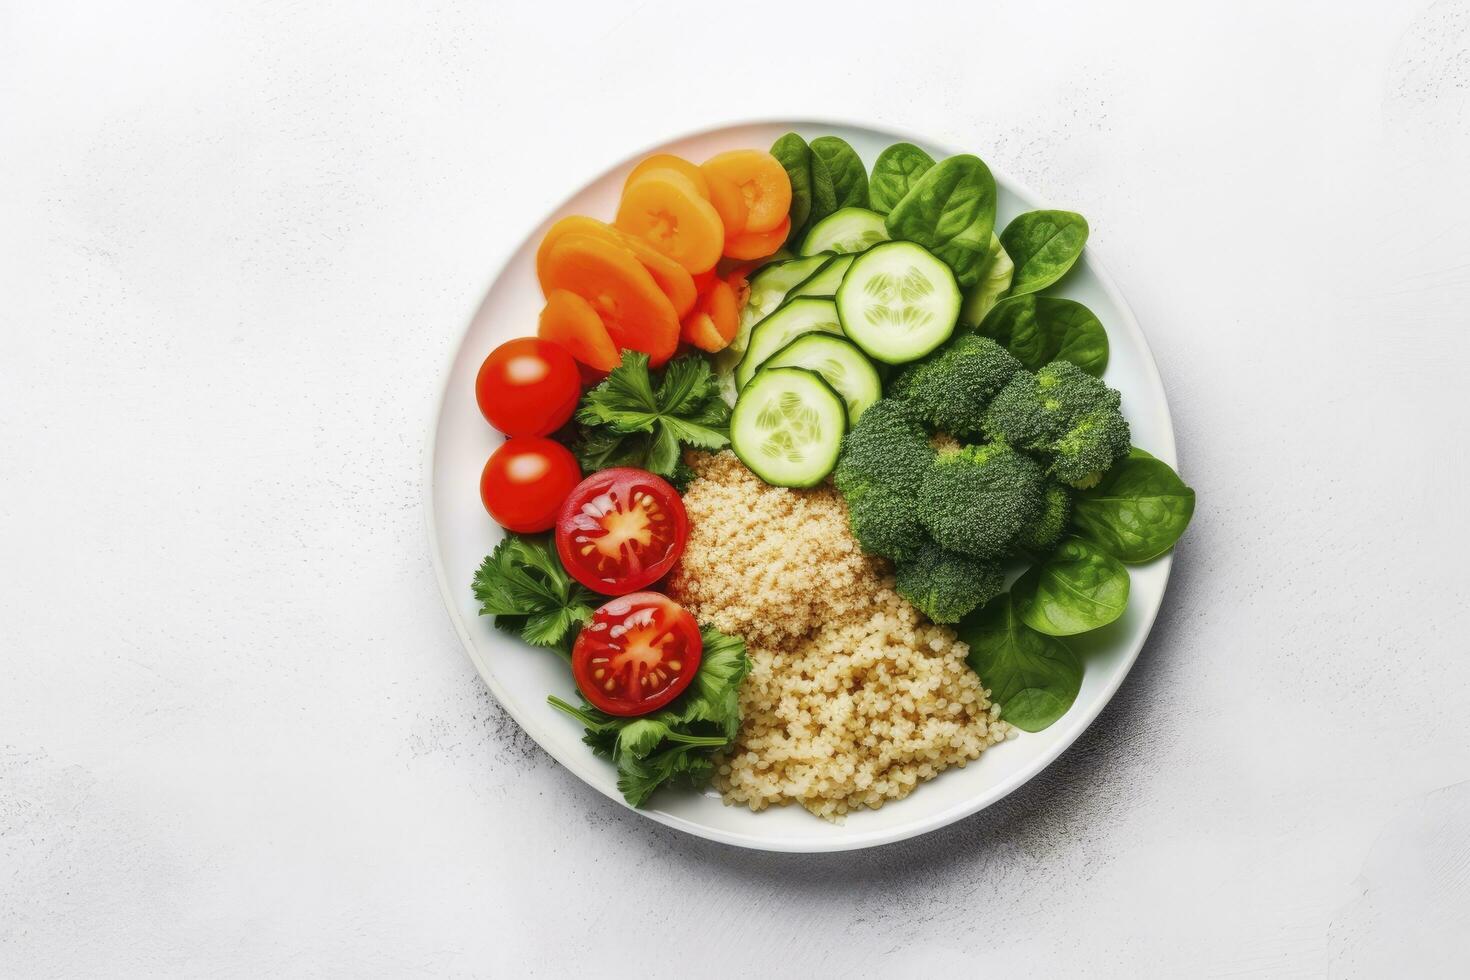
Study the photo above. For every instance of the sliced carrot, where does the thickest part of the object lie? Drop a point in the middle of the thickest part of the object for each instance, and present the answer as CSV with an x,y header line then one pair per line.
x,y
667,161
757,244
699,329
762,182
704,281
671,277
570,321
665,209
729,202
637,314
720,306
574,224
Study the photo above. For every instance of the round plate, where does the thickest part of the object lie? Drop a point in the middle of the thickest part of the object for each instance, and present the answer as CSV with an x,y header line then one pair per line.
x,y
520,677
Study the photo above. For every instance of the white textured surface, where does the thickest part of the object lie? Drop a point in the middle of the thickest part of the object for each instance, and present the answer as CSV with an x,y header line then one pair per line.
x,y
237,734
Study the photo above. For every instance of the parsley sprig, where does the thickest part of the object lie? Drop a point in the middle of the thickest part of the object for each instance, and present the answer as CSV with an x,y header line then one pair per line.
x,y
675,745
523,585
634,418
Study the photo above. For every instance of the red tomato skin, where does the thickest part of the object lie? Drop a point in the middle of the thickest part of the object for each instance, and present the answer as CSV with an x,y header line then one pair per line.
x,y
528,387
525,481
594,639
616,479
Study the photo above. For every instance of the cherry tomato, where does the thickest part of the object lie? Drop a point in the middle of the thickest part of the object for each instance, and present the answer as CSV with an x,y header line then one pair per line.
x,y
526,480
528,387
638,653
620,530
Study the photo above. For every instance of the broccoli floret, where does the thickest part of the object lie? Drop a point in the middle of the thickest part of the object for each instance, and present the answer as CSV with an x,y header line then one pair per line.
x,y
883,458
1090,448
951,388
1066,414
945,586
1046,530
885,523
979,500
887,449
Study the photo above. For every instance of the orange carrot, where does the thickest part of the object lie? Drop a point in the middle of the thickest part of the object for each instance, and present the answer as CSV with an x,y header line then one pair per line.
x,y
665,209
637,314
667,161
762,182
570,321
757,244
729,202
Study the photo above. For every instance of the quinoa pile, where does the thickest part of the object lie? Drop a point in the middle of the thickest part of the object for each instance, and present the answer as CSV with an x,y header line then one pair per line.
x,y
853,698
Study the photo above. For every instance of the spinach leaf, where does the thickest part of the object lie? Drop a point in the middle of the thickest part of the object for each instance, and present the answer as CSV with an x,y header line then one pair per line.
x,y
995,279
1033,677
894,172
794,155
1137,512
1042,329
950,210
1043,244
824,194
849,176
1078,588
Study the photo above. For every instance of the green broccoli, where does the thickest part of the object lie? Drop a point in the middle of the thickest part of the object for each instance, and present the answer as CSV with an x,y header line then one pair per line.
x,y
1066,414
979,500
882,461
945,586
885,523
1056,508
951,388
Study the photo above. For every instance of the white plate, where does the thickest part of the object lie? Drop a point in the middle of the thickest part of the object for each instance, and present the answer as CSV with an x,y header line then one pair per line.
x,y
521,677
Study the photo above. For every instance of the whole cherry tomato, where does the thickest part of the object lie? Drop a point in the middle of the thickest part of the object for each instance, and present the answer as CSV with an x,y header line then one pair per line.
x,y
525,482
528,387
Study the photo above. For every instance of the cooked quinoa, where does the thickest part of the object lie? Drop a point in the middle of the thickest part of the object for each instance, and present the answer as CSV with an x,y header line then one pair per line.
x,y
853,698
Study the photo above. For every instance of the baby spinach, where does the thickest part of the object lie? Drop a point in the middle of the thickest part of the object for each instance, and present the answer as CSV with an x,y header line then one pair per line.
x,y
849,176
995,279
1033,677
1043,244
824,193
894,172
950,210
1079,587
1137,512
794,155
1042,329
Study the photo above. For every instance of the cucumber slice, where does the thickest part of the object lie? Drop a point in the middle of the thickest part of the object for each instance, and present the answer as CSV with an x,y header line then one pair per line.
x,y
769,286
898,302
824,281
805,315
845,230
840,364
788,427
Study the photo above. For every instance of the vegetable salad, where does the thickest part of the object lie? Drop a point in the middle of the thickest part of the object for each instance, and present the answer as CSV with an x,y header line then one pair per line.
x,y
830,324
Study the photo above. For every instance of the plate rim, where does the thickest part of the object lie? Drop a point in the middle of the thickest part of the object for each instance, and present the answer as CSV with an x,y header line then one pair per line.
x,y
1075,725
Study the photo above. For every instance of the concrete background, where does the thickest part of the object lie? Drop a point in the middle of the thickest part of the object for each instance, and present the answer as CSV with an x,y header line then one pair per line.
x,y
237,734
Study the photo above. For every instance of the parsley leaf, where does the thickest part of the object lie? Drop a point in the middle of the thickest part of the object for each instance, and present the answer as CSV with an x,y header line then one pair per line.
x,y
632,420
522,584
675,745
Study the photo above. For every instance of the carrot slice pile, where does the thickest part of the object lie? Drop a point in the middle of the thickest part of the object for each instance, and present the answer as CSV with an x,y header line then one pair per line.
x,y
636,313
665,209
758,244
762,182
667,161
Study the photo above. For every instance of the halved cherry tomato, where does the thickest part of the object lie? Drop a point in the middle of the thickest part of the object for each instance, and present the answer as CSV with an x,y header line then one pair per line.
x,y
528,387
525,482
621,530
638,653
